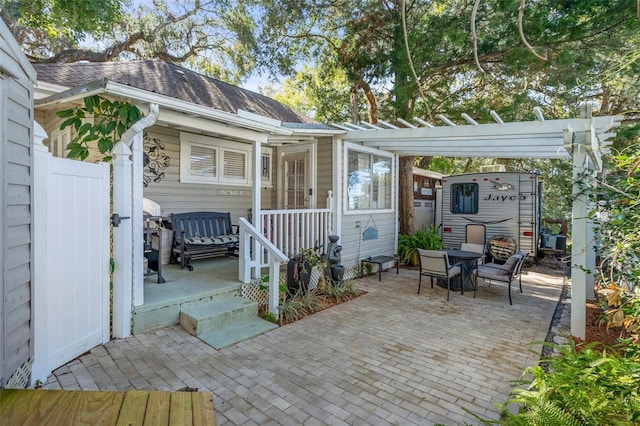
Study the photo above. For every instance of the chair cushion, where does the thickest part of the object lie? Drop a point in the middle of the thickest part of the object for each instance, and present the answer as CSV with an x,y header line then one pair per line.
x,y
510,263
493,273
454,270
493,269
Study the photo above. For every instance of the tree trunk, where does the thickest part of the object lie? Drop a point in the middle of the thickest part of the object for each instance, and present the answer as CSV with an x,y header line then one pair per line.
x,y
405,187
353,104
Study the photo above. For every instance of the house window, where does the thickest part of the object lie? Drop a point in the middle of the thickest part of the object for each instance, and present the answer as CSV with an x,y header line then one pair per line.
x,y
235,166
464,198
216,161
266,167
203,161
368,181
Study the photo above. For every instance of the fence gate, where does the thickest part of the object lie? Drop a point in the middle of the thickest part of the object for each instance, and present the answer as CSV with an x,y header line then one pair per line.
x,y
77,305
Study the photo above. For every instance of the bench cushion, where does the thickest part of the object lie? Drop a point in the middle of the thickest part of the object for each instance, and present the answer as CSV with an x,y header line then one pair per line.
x,y
212,241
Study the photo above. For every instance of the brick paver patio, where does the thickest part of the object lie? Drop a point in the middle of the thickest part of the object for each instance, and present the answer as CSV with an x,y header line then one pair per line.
x,y
388,357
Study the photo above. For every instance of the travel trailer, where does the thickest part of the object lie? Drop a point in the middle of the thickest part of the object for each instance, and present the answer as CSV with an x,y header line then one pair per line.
x,y
507,204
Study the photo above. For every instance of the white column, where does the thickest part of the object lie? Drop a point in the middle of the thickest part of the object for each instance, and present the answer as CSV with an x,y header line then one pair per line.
x,y
256,204
579,239
591,255
40,369
122,244
133,138
338,197
330,207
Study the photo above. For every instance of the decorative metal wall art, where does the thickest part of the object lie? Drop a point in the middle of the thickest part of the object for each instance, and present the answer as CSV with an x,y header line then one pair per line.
x,y
155,160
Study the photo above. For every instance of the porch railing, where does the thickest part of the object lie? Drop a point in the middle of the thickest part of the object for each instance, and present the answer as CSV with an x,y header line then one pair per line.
x,y
254,249
293,230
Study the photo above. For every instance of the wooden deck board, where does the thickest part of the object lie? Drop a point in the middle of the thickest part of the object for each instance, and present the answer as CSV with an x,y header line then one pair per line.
x,y
180,412
203,413
37,406
133,408
157,409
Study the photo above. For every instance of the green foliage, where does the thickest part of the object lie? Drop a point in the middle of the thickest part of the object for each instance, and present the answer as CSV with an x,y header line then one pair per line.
x,y
311,301
321,92
100,122
427,239
292,309
270,316
599,385
264,285
618,214
592,386
590,45
340,293
43,26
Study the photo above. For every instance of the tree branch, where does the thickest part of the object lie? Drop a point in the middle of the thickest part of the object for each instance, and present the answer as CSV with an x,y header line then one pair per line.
x,y
521,31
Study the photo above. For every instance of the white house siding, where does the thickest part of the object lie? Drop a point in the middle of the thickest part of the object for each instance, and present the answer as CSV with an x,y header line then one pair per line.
x,y
179,197
16,182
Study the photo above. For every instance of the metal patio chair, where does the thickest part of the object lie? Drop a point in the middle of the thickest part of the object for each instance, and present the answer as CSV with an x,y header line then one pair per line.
x,y
476,248
435,264
506,273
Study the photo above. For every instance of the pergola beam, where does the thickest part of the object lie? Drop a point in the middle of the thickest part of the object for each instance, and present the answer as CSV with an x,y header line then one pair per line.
x,y
581,139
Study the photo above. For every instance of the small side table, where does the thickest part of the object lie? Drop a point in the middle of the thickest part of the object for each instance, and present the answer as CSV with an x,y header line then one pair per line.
x,y
379,260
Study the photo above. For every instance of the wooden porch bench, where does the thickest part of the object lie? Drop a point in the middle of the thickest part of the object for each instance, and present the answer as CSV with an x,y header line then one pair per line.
x,y
200,235
75,407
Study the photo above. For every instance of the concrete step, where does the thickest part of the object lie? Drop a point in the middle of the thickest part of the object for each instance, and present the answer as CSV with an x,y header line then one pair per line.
x,y
163,303
236,332
201,318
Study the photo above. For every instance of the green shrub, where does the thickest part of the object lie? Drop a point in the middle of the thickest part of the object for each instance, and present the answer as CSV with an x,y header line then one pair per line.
x,y
346,291
292,309
427,239
593,386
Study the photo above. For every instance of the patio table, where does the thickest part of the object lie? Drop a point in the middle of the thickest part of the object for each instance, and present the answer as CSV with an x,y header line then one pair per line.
x,y
469,260
378,260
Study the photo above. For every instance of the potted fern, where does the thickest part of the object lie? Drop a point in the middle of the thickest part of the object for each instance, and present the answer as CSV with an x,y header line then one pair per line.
x,y
408,244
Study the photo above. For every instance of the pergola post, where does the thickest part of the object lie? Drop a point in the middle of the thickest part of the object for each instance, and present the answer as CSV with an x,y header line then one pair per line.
x,y
578,244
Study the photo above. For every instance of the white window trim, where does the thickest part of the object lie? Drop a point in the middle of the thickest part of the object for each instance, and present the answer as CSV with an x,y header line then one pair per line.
x,y
309,148
58,142
220,146
345,178
268,182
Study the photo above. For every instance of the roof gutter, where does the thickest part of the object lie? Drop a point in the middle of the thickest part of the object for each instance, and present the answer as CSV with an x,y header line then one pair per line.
x,y
105,86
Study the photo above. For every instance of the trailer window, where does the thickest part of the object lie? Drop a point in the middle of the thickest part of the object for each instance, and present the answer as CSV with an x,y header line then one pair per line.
x,y
464,198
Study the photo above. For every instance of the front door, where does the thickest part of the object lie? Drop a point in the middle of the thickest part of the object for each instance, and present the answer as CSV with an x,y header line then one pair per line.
x,y
296,181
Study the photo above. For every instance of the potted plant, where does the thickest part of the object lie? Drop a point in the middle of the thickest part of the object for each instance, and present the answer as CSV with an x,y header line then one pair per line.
x,y
408,245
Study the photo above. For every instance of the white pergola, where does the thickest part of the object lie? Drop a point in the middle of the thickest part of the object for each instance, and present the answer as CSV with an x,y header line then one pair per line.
x,y
583,140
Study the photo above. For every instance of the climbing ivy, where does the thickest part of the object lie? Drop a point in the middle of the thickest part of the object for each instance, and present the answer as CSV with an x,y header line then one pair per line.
x,y
100,122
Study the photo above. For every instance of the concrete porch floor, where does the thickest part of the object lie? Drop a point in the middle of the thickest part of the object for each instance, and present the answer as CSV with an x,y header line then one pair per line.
x,y
162,301
206,275
390,356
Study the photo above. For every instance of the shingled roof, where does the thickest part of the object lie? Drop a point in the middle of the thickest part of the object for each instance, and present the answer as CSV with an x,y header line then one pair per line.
x,y
174,81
